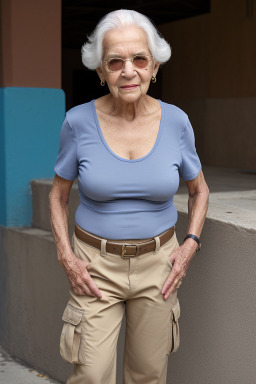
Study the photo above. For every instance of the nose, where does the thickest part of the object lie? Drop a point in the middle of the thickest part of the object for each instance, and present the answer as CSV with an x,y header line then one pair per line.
x,y
128,69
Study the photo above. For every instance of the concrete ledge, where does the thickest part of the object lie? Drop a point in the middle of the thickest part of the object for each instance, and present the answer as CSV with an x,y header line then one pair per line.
x,y
40,191
34,291
217,305
218,295
232,196
35,294
218,301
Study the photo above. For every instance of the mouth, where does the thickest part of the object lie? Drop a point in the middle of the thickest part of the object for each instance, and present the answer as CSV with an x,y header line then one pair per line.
x,y
129,86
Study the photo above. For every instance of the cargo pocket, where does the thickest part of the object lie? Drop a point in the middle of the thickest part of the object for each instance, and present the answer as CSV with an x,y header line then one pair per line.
x,y
174,334
71,335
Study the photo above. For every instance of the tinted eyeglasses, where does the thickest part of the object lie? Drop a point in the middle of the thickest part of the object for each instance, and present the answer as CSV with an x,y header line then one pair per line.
x,y
117,63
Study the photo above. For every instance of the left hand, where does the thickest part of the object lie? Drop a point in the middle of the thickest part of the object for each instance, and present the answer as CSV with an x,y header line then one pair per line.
x,y
180,259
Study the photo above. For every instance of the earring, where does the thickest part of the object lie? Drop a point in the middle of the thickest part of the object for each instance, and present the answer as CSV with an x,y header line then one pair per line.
x,y
102,83
153,79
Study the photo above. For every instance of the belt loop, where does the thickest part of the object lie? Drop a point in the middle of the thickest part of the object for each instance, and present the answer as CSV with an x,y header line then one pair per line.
x,y
157,241
103,250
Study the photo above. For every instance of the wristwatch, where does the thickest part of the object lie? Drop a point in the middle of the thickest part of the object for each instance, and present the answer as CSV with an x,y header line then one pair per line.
x,y
194,237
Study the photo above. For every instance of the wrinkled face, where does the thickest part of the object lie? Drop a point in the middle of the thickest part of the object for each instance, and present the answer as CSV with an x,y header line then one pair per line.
x,y
130,82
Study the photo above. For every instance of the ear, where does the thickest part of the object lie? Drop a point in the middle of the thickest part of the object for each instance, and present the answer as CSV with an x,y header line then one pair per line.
x,y
156,67
100,74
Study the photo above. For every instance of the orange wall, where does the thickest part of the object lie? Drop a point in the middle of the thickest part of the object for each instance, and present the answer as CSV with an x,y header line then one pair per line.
x,y
31,43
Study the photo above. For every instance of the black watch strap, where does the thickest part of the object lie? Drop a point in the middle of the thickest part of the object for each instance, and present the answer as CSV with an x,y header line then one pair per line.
x,y
194,237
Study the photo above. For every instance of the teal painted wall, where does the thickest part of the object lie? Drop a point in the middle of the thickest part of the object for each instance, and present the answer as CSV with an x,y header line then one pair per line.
x,y
2,160
29,138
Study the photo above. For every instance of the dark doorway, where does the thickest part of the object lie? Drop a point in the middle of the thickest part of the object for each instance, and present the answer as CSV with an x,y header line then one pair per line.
x,y
79,18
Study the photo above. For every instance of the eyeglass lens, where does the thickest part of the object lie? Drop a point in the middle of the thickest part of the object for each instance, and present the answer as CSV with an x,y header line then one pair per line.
x,y
115,64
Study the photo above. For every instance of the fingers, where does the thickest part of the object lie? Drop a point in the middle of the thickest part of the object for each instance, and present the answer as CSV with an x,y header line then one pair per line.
x,y
82,291
86,286
90,284
80,280
80,288
180,259
173,281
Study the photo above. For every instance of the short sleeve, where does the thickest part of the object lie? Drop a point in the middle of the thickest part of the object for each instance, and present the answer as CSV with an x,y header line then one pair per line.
x,y
190,165
66,165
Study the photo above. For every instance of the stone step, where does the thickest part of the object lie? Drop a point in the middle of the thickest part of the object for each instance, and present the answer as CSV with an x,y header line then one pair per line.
x,y
35,290
232,199
40,194
219,288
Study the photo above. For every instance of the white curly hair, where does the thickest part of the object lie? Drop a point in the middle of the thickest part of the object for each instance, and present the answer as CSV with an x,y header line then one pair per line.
x,y
92,49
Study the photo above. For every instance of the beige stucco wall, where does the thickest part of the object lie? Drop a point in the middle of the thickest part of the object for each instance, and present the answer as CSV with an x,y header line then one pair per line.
x,y
211,75
224,130
214,55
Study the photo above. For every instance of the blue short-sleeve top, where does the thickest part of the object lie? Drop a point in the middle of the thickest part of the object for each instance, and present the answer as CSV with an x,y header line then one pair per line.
x,y
122,198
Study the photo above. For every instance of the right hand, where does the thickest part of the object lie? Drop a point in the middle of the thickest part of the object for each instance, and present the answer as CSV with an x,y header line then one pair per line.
x,y
79,278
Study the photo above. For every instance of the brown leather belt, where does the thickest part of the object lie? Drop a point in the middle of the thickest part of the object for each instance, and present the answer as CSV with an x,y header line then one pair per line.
x,y
121,248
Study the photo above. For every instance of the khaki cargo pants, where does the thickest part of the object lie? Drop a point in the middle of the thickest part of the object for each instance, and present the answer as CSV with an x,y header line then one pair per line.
x,y
91,326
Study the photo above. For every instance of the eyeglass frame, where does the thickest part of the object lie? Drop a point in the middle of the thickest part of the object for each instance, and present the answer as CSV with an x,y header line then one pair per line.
x,y
123,60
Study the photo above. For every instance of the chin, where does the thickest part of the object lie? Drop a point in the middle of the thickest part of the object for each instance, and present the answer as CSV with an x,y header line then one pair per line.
x,y
130,97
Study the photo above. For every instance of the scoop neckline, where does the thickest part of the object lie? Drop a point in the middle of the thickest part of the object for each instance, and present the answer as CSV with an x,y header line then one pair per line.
x,y
112,152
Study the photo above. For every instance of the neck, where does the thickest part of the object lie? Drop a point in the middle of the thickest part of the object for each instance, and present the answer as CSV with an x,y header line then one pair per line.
x,y
129,111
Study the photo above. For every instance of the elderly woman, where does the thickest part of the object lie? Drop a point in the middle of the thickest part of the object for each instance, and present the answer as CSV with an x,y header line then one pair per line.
x,y
127,150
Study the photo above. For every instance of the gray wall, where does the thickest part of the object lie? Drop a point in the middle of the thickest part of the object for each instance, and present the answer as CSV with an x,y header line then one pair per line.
x,y
218,300
36,291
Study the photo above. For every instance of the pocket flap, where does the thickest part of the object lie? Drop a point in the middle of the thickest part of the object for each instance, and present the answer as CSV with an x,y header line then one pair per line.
x,y
72,315
176,311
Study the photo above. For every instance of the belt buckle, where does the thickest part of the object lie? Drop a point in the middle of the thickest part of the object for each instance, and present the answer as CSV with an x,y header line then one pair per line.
x,y
124,256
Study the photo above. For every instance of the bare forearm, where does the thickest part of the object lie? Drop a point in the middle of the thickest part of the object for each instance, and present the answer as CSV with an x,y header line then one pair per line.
x,y
59,215
181,257
76,271
75,268
197,209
